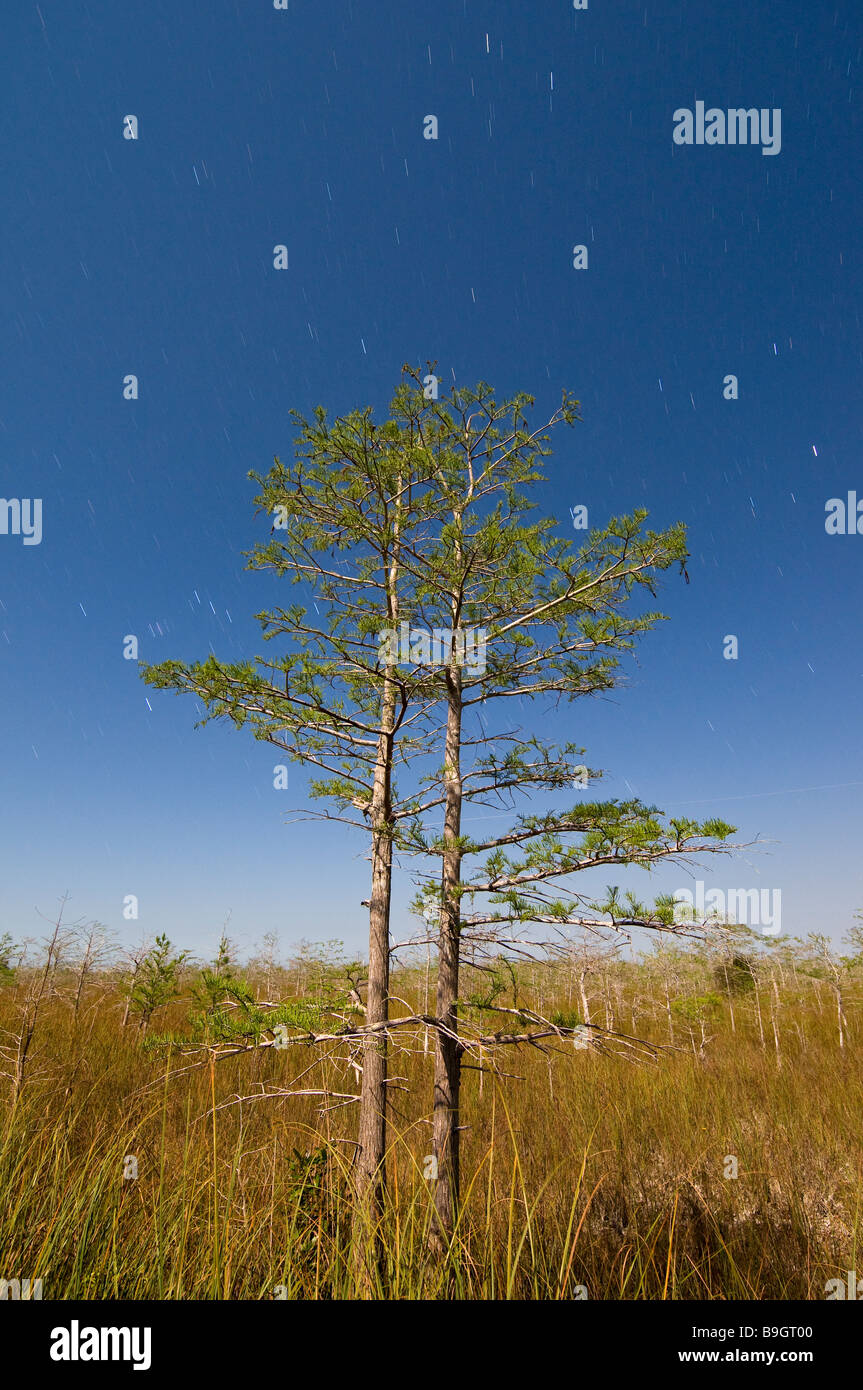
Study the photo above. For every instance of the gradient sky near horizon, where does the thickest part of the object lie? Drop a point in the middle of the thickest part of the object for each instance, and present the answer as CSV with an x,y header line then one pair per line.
x,y
304,126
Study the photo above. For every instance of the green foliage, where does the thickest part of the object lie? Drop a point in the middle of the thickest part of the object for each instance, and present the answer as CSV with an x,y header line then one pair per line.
x,y
226,1011
156,981
169,1041
566,1018
854,939
225,1007
498,977
735,976
7,971
314,1191
698,1007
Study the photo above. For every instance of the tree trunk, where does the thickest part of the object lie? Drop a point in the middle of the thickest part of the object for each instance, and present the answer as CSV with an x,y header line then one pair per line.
x,y
585,1006
840,1015
447,1070
371,1138
774,1012
370,1175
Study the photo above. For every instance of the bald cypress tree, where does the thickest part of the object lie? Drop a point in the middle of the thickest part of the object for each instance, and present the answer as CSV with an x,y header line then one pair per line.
x,y
341,512
442,600
354,515
555,619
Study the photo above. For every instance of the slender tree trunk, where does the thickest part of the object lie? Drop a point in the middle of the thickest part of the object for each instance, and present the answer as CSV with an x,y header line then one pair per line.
x,y
131,986
372,1131
774,1012
585,1006
840,1013
730,999
447,1070
371,1137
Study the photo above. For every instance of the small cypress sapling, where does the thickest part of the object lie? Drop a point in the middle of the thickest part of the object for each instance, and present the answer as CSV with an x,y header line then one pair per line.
x,y
156,981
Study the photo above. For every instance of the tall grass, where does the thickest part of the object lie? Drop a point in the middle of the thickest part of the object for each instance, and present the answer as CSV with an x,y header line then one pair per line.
x,y
582,1174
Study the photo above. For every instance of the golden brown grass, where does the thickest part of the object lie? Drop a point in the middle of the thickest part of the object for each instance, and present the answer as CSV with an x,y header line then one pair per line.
x,y
578,1170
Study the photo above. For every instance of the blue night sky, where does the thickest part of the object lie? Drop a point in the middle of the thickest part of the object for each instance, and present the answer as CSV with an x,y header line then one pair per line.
x,y
304,126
